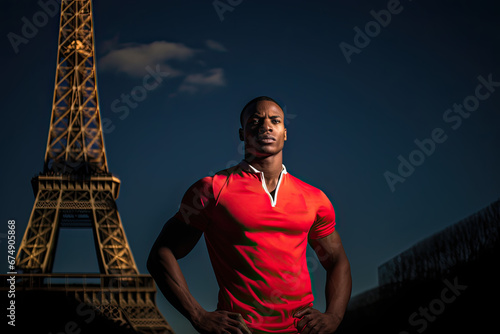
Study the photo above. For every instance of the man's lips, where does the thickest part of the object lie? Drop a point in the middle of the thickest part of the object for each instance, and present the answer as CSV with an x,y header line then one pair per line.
x,y
266,139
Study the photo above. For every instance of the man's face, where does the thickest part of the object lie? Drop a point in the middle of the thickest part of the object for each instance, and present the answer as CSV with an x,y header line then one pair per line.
x,y
263,130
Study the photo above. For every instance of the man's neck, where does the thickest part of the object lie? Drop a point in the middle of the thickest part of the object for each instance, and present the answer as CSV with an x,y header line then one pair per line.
x,y
271,166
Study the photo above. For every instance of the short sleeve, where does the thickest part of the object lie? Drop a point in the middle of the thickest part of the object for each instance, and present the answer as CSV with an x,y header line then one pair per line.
x,y
324,223
196,204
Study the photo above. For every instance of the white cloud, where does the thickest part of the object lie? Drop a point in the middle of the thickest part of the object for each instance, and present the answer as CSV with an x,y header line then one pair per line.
x,y
133,59
211,78
216,46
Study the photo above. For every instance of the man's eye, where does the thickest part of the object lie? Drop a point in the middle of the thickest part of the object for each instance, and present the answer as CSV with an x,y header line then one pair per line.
x,y
255,121
276,120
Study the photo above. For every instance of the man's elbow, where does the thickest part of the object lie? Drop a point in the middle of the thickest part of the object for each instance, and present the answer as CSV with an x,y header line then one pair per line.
x,y
153,263
158,258
347,267
343,262
338,261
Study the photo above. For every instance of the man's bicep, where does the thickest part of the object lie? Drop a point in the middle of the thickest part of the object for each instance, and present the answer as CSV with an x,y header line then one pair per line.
x,y
324,221
196,204
179,237
328,249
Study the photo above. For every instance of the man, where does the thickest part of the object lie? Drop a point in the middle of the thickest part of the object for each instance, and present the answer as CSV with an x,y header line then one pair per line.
x,y
257,220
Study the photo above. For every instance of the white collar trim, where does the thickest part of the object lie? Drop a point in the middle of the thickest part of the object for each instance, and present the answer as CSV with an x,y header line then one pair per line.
x,y
251,168
246,166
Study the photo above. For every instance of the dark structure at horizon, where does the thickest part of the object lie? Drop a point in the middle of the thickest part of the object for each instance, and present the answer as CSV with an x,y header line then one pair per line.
x,y
442,284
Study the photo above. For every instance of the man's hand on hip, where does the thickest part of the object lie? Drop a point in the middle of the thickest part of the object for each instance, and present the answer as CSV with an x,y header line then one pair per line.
x,y
313,321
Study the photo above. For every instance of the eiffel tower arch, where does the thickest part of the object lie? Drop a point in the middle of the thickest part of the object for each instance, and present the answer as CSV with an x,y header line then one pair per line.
x,y
76,190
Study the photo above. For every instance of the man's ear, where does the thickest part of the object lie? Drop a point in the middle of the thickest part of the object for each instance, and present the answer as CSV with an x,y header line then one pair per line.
x,y
285,134
241,135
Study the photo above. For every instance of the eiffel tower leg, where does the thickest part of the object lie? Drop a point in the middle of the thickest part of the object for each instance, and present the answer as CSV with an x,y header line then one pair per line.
x,y
110,238
37,249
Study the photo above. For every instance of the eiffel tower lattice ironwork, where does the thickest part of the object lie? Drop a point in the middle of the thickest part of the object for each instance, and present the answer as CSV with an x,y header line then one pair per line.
x,y
76,190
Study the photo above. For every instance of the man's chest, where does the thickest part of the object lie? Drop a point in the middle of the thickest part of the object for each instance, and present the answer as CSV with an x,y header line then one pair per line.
x,y
247,207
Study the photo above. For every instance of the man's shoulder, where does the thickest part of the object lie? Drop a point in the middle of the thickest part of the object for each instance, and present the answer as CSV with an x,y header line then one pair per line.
x,y
228,171
207,182
202,185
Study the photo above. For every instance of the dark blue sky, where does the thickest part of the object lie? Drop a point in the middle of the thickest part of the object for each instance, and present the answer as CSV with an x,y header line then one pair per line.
x,y
347,122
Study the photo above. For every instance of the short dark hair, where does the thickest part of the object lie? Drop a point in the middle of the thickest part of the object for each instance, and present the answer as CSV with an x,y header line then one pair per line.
x,y
255,100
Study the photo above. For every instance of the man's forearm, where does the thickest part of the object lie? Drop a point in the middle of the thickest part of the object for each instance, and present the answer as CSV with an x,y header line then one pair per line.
x,y
338,288
165,269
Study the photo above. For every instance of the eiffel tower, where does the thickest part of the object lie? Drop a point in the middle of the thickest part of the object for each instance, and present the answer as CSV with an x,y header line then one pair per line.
x,y
76,190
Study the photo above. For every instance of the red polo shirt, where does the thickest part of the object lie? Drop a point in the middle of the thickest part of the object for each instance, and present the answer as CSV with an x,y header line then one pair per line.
x,y
257,243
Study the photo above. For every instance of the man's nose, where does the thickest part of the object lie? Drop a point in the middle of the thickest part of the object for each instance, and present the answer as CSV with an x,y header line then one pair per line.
x,y
266,125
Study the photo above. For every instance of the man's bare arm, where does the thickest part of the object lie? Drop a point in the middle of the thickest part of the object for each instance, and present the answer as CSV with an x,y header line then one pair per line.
x,y
338,286
175,241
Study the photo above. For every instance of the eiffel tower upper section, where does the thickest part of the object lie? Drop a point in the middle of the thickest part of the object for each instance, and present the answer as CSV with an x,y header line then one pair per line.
x,y
75,143
75,189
